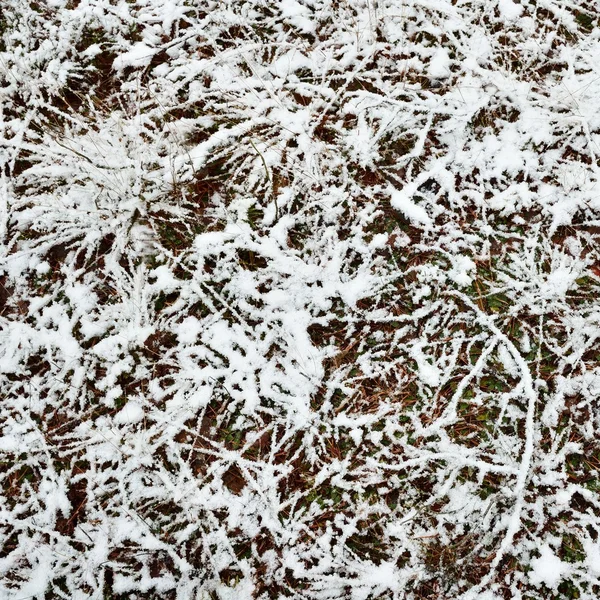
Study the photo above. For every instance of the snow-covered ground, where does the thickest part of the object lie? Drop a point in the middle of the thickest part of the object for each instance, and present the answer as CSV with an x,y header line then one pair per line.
x,y
299,299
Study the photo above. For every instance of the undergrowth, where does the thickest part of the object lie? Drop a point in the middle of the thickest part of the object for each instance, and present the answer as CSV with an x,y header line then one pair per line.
x,y
299,299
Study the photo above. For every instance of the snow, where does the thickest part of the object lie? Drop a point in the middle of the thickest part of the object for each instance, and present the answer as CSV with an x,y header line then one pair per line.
x,y
140,55
417,214
188,330
299,297
547,568
428,371
510,10
298,15
439,66
132,412
376,580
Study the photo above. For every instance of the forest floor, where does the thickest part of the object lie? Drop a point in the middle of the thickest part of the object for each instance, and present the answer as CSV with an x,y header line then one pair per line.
x,y
299,299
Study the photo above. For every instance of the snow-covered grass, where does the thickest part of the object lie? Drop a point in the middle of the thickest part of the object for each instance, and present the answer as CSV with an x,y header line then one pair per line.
x,y
299,299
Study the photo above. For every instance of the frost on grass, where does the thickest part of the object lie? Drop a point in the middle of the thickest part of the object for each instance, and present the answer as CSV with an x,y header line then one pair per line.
x,y
299,299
